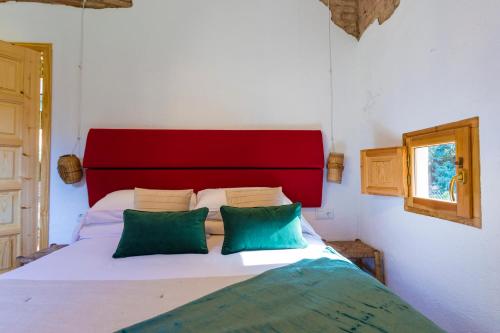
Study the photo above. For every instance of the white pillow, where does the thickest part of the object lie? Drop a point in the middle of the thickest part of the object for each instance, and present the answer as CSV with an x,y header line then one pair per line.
x,y
213,199
102,230
123,199
103,216
110,208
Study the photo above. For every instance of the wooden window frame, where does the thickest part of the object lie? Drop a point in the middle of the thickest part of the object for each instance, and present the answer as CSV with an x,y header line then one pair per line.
x,y
467,209
389,171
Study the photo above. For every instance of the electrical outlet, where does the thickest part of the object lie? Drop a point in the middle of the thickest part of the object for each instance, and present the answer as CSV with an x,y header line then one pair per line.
x,y
324,213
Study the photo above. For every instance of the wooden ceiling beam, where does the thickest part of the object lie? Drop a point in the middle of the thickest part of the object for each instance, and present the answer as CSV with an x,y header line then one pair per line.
x,y
355,16
95,4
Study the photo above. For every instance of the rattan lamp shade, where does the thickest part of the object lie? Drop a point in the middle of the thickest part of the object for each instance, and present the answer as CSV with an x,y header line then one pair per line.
x,y
335,168
70,169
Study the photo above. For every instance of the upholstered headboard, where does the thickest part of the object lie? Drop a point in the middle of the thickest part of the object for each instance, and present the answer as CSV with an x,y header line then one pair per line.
x,y
118,159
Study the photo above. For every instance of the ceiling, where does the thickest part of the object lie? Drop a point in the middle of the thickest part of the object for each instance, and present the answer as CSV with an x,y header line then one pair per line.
x,y
354,16
96,4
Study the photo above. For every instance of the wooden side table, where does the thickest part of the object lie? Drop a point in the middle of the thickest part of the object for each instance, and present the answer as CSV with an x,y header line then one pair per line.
x,y
23,260
357,251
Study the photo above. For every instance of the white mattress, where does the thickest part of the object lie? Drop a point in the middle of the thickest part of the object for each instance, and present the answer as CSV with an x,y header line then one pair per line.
x,y
91,259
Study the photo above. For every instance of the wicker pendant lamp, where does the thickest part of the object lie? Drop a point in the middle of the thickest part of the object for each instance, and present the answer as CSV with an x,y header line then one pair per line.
x,y
68,166
70,169
335,165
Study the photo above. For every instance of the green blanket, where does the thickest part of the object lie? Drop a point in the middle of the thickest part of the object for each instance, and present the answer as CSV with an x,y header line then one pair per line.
x,y
322,295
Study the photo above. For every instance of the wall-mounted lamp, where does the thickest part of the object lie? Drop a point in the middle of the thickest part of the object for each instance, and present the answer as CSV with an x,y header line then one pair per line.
x,y
70,169
335,167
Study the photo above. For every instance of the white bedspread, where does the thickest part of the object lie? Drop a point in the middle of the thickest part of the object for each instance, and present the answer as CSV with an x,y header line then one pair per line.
x,y
95,306
81,288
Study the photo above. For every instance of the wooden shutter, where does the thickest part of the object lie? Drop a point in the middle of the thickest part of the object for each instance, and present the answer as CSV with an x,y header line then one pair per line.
x,y
383,171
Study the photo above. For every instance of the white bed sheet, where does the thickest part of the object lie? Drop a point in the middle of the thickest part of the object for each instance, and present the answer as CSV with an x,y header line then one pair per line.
x,y
91,259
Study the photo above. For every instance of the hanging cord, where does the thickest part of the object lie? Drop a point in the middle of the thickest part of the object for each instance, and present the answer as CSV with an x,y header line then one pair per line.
x,y
78,143
331,72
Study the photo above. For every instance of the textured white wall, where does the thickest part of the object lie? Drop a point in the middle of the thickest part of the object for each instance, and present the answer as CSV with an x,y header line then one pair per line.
x,y
435,62
194,64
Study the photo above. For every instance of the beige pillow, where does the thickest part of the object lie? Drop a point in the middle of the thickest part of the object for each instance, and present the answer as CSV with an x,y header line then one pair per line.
x,y
214,227
162,200
258,197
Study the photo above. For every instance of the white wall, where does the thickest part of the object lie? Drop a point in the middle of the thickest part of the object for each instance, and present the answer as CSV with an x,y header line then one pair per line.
x,y
221,64
435,62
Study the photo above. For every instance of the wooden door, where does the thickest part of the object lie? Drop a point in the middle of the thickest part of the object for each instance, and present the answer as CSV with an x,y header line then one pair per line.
x,y
19,117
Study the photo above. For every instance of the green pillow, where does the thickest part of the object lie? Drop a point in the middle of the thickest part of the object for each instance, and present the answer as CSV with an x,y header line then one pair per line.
x,y
147,233
262,228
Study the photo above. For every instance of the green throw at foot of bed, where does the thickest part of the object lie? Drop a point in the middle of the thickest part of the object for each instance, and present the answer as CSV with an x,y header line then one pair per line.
x,y
322,295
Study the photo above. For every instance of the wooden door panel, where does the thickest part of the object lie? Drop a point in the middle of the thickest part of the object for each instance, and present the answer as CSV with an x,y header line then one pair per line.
x,y
11,69
10,229
9,208
10,160
6,253
10,175
19,114
11,120
11,72
8,250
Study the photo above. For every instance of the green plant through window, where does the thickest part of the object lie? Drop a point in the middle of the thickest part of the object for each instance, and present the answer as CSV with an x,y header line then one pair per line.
x,y
441,170
434,169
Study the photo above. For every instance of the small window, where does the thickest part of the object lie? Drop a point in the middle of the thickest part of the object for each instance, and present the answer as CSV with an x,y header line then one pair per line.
x,y
440,172
435,170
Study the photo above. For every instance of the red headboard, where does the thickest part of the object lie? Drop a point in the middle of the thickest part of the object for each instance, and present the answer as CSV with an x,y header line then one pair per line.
x,y
118,159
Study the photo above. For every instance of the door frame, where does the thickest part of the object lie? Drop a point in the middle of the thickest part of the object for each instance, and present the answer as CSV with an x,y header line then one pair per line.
x,y
45,123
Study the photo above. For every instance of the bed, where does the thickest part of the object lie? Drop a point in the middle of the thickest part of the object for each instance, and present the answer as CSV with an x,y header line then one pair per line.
x,y
67,290
81,288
